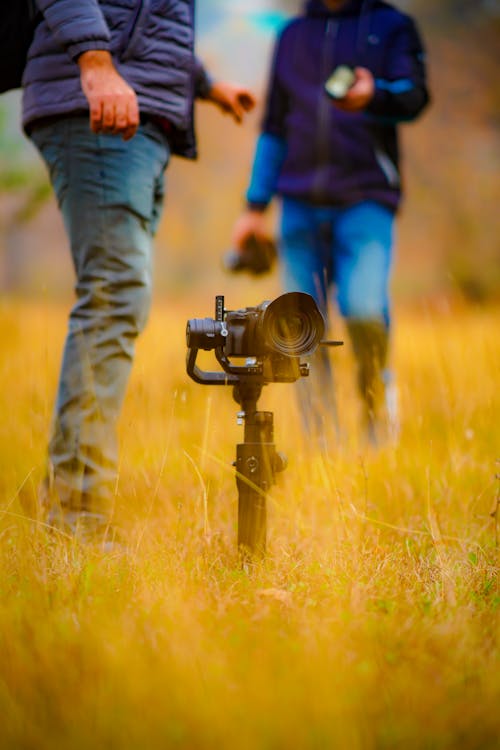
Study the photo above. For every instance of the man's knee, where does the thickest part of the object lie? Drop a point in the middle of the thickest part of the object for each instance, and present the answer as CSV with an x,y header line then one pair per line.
x,y
363,280
359,304
359,308
365,297
135,303
122,300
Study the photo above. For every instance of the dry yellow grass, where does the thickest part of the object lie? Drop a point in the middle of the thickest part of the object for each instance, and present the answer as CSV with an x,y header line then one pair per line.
x,y
372,624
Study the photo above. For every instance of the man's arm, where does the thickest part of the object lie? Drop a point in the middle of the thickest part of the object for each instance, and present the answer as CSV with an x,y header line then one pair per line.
x,y
76,26
231,98
82,30
270,153
401,94
271,149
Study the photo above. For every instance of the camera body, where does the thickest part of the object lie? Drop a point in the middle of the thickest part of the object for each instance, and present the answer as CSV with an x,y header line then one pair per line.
x,y
257,257
271,337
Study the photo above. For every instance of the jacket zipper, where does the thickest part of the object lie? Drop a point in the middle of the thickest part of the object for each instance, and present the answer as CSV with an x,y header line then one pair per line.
x,y
324,105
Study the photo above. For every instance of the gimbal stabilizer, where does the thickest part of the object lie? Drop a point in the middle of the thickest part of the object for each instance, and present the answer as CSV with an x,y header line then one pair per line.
x,y
271,337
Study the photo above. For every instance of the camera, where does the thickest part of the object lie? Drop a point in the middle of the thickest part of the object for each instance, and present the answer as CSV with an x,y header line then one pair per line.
x,y
257,256
271,337
291,325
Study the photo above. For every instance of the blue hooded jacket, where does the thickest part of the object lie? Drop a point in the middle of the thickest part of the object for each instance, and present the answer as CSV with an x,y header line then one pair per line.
x,y
152,43
311,150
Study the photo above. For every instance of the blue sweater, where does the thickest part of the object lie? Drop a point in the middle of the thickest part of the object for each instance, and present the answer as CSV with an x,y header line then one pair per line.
x,y
152,43
309,149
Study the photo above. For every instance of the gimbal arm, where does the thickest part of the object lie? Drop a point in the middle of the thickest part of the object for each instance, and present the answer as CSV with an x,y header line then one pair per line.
x,y
206,378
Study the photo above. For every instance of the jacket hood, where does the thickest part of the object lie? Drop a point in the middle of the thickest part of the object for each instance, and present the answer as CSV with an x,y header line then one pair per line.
x,y
318,9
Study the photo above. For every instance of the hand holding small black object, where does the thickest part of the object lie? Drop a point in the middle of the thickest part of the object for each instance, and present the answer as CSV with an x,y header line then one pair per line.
x,y
257,256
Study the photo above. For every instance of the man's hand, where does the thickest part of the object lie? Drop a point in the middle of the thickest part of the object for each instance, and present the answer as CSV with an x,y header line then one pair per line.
x,y
360,94
112,102
251,223
232,99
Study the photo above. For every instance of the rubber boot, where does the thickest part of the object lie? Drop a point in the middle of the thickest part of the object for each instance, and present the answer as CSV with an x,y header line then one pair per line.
x,y
370,342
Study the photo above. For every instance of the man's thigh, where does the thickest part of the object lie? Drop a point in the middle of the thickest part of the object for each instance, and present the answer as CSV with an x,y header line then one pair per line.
x,y
363,248
106,189
304,254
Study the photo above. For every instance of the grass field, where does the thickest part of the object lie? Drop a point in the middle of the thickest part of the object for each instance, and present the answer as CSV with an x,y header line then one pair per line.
x,y
374,622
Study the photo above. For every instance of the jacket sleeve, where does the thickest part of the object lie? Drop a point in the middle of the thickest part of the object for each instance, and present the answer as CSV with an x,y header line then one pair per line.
x,y
401,94
271,147
270,153
277,98
77,26
202,80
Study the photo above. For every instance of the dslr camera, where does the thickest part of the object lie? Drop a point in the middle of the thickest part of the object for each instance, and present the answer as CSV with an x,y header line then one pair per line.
x,y
270,337
257,257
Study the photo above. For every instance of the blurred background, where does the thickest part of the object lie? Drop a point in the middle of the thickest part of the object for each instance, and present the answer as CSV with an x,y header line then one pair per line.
x,y
449,238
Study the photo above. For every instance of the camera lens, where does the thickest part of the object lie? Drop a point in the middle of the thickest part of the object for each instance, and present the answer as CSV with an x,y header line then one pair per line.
x,y
204,334
293,325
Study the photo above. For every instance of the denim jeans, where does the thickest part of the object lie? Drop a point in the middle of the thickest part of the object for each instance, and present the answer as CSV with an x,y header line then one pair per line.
x,y
110,193
345,254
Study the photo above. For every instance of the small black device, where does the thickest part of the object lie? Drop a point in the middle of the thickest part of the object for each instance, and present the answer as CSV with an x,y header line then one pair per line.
x,y
257,256
271,338
340,81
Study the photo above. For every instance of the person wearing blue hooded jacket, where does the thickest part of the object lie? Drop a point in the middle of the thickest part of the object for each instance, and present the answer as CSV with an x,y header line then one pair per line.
x,y
108,97
334,163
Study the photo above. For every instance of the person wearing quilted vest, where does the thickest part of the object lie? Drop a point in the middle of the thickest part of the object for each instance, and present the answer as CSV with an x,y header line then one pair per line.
x,y
108,96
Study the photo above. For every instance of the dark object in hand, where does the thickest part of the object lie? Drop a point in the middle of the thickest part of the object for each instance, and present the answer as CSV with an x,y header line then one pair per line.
x,y
340,82
257,257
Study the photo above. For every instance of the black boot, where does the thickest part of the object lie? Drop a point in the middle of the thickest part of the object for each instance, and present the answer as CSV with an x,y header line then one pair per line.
x,y
370,344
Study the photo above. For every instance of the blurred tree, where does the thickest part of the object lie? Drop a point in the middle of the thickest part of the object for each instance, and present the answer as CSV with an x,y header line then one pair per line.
x,y
24,188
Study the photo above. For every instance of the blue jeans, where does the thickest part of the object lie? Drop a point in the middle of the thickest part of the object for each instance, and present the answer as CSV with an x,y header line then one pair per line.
x,y
346,253
110,193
